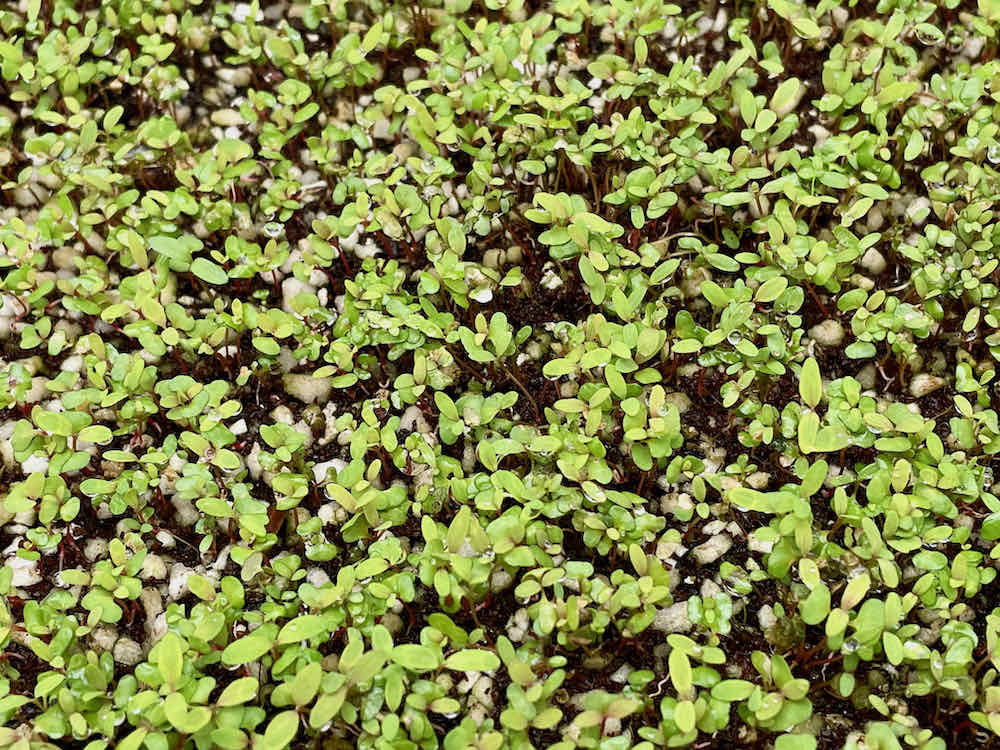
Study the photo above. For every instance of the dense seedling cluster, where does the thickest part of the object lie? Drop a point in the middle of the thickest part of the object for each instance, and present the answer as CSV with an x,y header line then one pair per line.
x,y
488,374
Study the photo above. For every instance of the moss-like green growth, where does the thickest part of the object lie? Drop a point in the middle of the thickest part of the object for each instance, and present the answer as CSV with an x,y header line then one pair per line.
x,y
499,374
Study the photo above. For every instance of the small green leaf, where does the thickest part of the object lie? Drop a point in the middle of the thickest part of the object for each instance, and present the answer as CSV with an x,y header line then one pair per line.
x,y
446,405
209,272
816,606
806,27
810,383
245,650
170,658
837,622
785,94
472,660
239,691
641,51
47,683
301,629
855,591
771,289
751,499
893,648
808,432
266,345
684,716
282,730
96,433
732,690
914,145
134,740
229,738
680,671
748,107
201,587
416,658
795,742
